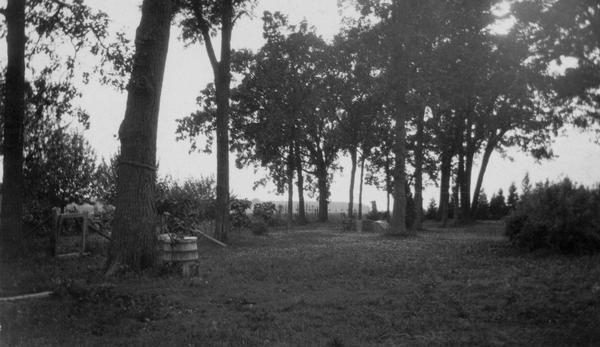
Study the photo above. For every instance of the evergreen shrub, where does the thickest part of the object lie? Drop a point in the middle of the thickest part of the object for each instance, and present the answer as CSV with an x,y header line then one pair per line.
x,y
562,217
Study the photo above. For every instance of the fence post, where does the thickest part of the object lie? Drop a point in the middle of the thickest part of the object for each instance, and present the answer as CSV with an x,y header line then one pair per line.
x,y
55,230
84,226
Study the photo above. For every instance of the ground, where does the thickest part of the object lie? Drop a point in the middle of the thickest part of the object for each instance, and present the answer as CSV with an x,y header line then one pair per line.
x,y
320,286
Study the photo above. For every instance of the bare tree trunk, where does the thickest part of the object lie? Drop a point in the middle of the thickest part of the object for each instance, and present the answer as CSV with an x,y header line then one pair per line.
x,y
489,149
323,186
14,102
460,178
353,158
388,183
222,86
465,191
418,224
301,207
290,172
134,230
466,188
360,185
398,220
446,171
456,204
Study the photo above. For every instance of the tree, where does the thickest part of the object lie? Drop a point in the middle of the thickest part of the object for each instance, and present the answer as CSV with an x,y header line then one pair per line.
x,y
358,98
526,185
14,115
512,113
513,198
201,19
134,239
58,170
105,180
47,24
565,33
483,208
432,210
498,207
281,123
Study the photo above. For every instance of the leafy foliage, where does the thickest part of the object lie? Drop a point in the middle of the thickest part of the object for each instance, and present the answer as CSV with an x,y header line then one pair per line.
x,y
432,211
513,197
58,169
561,217
566,33
264,211
483,207
57,160
185,205
498,208
259,227
105,180
238,215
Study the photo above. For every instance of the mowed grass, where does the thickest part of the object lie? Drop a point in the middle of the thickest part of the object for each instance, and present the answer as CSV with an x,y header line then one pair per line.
x,y
324,287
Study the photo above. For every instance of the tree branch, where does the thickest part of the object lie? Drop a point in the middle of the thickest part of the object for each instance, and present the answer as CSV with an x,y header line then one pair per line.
x,y
210,49
63,4
204,30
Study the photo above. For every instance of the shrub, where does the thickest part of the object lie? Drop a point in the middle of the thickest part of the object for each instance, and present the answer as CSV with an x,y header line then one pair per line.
x,y
259,227
432,210
183,206
264,211
377,215
498,208
560,217
239,218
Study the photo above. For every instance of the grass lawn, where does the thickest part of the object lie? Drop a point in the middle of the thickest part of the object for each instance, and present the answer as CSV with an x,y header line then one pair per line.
x,y
324,287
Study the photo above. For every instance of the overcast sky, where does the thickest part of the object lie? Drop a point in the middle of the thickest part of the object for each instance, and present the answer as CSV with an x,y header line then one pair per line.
x,y
188,71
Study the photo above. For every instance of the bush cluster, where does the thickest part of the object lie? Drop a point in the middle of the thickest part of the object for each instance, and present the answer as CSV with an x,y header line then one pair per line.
x,y
259,227
184,205
239,217
264,211
562,217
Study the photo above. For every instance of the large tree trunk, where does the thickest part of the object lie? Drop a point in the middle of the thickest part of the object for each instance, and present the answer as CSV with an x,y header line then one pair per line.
x,y
12,182
388,183
134,230
445,173
222,86
418,224
398,220
353,158
455,204
489,149
301,210
460,178
323,185
360,185
465,190
290,173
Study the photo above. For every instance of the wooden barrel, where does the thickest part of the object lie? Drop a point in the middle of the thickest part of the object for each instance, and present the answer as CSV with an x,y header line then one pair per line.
x,y
178,249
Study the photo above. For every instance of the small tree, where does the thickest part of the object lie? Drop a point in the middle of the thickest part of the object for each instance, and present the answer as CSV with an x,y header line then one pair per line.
x,y
513,198
498,207
58,171
483,207
526,185
201,20
105,180
432,210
